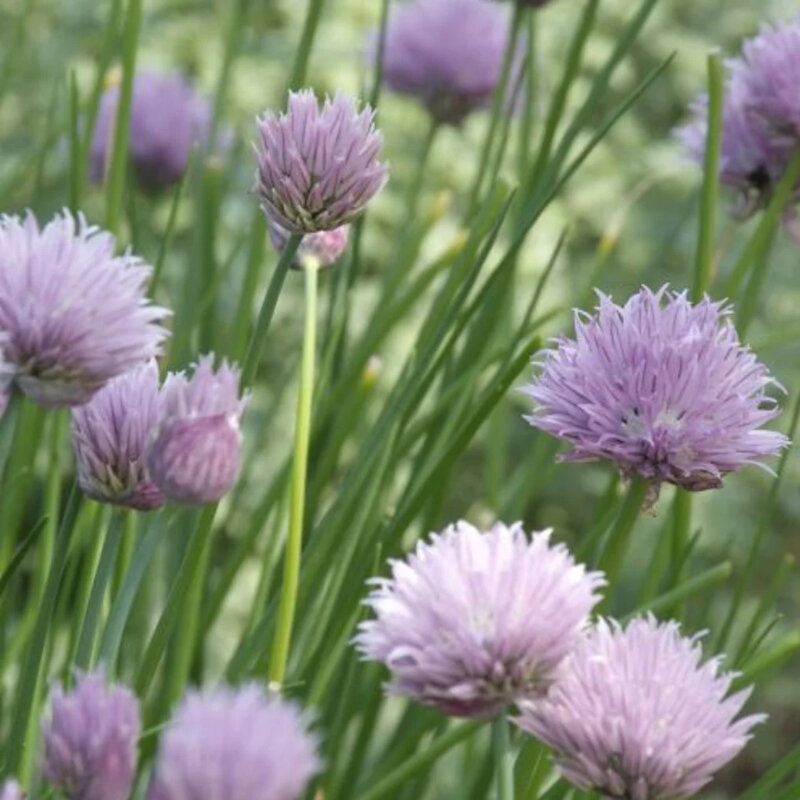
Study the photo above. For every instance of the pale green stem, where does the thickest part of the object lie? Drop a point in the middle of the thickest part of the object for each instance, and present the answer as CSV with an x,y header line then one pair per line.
x,y
291,579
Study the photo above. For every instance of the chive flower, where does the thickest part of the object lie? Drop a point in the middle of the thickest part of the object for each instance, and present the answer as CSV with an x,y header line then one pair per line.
x,y
472,621
111,435
238,744
11,790
168,119
761,119
75,315
196,448
661,387
636,713
448,54
323,247
90,740
318,166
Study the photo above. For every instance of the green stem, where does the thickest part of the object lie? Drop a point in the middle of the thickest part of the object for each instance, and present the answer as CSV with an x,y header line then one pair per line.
x,y
233,40
259,335
26,703
119,153
291,579
496,109
681,531
194,556
397,778
504,758
118,617
300,66
708,199
109,535
255,257
187,636
528,111
616,545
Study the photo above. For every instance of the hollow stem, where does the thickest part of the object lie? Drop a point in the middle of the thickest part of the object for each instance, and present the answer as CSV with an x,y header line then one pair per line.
x,y
291,578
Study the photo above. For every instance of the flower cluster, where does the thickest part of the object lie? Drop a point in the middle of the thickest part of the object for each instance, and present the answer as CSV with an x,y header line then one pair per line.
x,y
659,386
761,117
473,622
137,444
237,743
168,118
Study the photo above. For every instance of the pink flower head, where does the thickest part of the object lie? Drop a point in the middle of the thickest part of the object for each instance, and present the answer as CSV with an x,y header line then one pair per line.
x,y
90,740
318,166
446,53
195,454
74,314
323,247
111,435
236,744
635,713
473,621
660,386
168,118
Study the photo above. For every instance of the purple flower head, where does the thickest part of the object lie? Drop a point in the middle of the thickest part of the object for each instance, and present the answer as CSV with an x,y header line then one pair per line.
x,y
11,790
635,713
659,386
90,740
194,457
323,247
752,162
769,69
238,744
168,118
318,167
446,53
111,435
473,621
75,314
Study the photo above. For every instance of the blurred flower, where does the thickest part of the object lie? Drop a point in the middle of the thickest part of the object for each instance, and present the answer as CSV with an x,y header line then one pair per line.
x,y
194,457
446,53
324,247
768,69
635,714
236,744
76,315
473,621
110,436
11,790
659,386
168,118
318,167
90,740
751,161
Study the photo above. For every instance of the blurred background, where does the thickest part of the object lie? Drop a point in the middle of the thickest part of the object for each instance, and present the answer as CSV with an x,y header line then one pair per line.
x,y
629,216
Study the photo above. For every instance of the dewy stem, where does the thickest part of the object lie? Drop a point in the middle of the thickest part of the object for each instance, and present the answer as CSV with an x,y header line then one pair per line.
x,y
291,576
504,758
